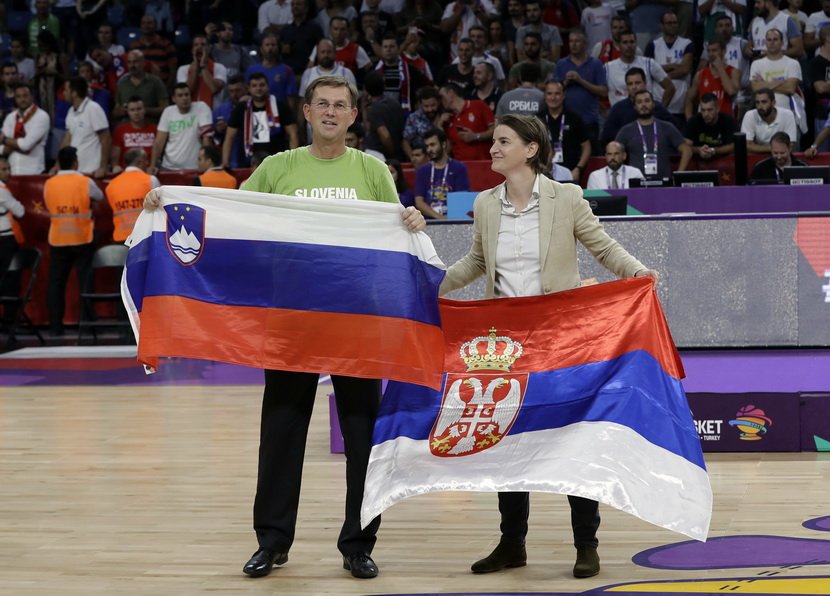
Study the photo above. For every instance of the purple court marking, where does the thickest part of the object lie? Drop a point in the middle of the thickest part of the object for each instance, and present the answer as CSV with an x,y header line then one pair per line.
x,y
728,582
727,552
594,592
767,371
821,524
125,371
179,371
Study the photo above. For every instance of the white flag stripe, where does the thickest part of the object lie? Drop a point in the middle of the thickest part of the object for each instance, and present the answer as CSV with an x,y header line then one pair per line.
x,y
335,222
606,462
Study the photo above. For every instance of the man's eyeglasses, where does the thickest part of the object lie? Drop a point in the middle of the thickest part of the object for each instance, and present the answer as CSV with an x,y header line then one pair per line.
x,y
323,106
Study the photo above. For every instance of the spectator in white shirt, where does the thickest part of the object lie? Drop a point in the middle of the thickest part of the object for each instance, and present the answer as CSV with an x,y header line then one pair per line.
x,y
24,134
183,128
764,121
275,14
615,174
87,129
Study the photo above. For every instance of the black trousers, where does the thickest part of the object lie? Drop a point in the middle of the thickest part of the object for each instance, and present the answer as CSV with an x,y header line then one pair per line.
x,y
61,260
515,509
10,280
287,404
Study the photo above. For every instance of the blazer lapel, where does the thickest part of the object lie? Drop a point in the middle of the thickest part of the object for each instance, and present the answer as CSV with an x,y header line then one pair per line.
x,y
493,223
547,206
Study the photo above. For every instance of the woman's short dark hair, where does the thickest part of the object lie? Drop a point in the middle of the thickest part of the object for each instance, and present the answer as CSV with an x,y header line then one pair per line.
x,y
530,130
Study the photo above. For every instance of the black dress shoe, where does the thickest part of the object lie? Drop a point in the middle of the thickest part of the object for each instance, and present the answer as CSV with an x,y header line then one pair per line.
x,y
263,561
587,562
361,565
503,556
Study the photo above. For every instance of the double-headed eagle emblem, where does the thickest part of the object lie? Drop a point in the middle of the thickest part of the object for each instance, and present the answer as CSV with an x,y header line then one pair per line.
x,y
478,409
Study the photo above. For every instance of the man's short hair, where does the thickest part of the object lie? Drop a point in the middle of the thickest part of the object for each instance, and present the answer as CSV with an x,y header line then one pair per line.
x,y
534,35
79,85
180,86
781,137
19,84
237,78
134,99
331,81
67,157
765,91
488,66
436,132
212,154
708,98
643,92
133,156
636,70
449,86
9,65
716,42
373,83
428,93
338,18
824,34
529,72
256,75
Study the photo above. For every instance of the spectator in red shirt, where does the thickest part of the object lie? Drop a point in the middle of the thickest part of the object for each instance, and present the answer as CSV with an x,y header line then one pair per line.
x,y
137,133
469,124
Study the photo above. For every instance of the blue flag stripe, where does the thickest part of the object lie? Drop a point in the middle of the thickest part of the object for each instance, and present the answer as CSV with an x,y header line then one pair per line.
x,y
631,390
281,274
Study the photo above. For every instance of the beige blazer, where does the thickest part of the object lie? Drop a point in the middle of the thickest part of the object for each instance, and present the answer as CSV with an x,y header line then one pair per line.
x,y
564,218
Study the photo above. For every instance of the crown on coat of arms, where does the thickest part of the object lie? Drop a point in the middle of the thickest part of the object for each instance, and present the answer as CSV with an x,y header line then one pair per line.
x,y
491,352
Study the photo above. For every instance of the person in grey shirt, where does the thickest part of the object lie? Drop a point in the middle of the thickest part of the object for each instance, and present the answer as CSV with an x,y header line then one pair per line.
x,y
649,141
526,99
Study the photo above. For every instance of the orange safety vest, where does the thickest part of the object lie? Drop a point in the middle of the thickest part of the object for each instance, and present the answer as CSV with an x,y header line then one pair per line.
x,y
218,179
67,199
125,194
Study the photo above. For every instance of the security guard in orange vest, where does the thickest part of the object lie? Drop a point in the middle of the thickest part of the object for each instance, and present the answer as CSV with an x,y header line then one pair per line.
x,y
125,193
68,196
213,174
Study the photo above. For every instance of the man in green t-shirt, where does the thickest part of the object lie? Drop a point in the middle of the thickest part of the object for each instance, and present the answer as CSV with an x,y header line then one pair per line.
x,y
324,169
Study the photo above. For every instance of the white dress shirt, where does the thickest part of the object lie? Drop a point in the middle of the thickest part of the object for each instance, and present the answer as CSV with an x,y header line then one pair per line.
x,y
518,261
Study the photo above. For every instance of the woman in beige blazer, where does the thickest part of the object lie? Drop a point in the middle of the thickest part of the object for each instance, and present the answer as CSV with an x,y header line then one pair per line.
x,y
524,242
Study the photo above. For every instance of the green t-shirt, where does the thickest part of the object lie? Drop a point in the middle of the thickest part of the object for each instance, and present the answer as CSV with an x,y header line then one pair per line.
x,y
297,173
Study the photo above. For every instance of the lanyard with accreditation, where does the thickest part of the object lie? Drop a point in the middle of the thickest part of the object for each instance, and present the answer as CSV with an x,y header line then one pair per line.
x,y
649,159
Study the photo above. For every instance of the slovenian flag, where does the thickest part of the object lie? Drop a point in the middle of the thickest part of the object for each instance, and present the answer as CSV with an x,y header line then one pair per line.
x,y
271,281
575,393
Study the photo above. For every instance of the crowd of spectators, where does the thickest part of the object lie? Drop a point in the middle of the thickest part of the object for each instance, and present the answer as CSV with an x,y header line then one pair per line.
x,y
641,79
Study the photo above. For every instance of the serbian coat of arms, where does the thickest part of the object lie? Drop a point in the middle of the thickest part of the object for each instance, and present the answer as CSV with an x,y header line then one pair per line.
x,y
479,406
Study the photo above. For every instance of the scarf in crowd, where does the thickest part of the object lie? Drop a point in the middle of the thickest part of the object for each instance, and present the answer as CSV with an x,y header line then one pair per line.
x,y
273,121
21,120
403,69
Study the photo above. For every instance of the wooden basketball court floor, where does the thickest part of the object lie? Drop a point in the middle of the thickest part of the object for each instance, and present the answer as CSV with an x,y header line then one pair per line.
x,y
146,487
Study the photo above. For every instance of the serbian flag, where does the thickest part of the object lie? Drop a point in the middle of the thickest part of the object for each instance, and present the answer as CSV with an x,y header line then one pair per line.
x,y
271,281
575,393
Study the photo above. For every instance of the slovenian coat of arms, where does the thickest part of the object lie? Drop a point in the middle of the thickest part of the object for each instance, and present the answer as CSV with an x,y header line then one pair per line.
x,y
479,406
185,232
